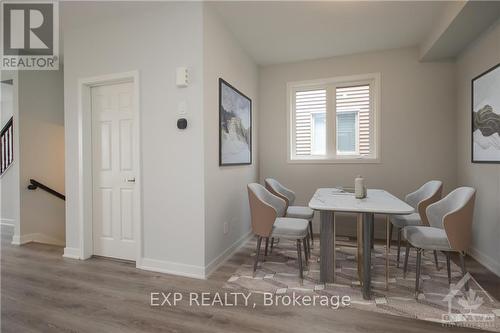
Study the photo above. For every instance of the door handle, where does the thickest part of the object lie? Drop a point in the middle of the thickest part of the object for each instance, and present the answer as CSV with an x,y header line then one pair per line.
x,y
131,180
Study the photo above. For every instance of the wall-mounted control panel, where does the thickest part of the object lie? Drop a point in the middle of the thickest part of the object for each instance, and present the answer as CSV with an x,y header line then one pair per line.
x,y
182,123
182,77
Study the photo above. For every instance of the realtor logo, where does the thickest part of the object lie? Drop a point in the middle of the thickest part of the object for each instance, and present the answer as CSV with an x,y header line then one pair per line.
x,y
464,303
30,36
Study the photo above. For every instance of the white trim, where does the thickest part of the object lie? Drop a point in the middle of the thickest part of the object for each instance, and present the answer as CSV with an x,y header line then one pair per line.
x,y
192,271
16,240
339,160
72,253
85,157
174,268
11,223
326,83
7,169
36,237
485,260
170,267
228,253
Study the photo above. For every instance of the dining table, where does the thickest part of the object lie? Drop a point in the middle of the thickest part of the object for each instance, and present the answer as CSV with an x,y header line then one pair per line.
x,y
329,201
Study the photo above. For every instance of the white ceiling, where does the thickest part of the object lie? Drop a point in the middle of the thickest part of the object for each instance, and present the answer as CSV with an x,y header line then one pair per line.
x,y
75,14
276,32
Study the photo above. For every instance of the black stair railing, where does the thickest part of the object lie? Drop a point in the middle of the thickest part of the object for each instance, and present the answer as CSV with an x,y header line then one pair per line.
x,y
7,146
34,185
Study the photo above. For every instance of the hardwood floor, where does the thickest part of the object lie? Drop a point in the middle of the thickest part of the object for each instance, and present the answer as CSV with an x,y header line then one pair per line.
x,y
43,292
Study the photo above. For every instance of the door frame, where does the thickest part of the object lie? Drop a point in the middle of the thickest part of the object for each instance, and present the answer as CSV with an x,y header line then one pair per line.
x,y
85,171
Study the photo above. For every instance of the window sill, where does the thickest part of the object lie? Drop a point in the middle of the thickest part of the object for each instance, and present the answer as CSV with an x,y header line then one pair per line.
x,y
335,161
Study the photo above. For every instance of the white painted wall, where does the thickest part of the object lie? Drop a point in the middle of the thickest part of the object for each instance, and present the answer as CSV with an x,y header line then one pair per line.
x,y
154,39
37,106
226,198
417,125
9,181
483,54
41,133
7,102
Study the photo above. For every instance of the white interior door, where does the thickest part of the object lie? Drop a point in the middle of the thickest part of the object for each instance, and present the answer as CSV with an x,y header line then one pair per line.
x,y
115,194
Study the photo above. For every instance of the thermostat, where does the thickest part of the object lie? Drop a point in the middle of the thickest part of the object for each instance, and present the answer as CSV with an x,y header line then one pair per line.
x,y
182,123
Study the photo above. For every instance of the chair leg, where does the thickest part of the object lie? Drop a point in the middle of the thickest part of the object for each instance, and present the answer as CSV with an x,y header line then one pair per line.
x,y
417,277
308,248
272,244
436,259
299,258
448,266
387,244
267,244
407,254
311,232
391,227
306,251
259,241
399,246
462,264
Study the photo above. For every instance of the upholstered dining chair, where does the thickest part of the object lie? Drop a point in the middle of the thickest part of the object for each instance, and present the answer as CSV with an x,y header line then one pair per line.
x,y
427,194
301,212
450,229
267,211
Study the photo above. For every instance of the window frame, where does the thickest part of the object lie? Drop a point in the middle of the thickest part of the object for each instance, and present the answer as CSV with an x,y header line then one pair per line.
x,y
330,85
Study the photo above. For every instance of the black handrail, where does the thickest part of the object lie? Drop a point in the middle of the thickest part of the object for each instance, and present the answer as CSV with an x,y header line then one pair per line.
x,y
6,126
34,185
7,145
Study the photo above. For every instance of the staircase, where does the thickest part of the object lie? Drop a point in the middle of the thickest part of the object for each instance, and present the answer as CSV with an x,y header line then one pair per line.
x,y
7,146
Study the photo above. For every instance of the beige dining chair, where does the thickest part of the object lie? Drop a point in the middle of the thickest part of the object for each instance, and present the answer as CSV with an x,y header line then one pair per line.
x,y
267,211
426,195
301,212
449,230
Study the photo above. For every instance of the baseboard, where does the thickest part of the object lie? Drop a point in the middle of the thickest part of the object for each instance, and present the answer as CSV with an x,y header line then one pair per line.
x,y
485,260
16,240
7,226
7,222
37,238
224,256
170,267
71,253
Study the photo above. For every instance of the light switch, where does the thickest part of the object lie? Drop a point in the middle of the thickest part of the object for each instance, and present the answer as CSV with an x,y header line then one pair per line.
x,y
182,77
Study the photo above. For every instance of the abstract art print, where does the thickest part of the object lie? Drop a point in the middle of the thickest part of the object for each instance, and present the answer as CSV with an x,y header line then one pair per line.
x,y
235,126
486,117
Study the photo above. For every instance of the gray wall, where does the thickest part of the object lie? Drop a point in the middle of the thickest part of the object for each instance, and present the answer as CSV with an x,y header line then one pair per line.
x,y
153,39
226,198
9,181
41,133
483,54
39,154
417,125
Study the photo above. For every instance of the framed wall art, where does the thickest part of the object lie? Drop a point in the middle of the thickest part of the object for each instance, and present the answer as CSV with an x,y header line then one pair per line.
x,y
485,138
235,126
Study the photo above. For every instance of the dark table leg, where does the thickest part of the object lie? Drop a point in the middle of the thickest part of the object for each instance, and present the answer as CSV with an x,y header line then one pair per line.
x,y
327,248
372,240
367,236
